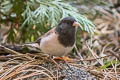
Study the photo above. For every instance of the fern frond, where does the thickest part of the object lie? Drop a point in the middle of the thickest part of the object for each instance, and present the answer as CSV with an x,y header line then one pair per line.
x,y
51,11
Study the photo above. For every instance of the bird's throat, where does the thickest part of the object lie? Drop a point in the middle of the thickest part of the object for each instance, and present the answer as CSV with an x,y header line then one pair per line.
x,y
67,40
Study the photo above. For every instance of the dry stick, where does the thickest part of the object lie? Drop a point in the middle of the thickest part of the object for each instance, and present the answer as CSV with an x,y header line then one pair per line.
x,y
56,63
94,55
79,54
13,71
11,56
98,74
95,73
5,58
10,50
101,52
31,56
94,58
114,54
19,54
15,53
9,71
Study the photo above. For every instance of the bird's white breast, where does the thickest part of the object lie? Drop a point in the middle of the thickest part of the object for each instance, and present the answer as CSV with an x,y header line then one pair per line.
x,y
51,45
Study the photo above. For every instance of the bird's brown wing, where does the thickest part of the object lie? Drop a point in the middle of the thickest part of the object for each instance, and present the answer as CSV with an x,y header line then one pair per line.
x,y
46,34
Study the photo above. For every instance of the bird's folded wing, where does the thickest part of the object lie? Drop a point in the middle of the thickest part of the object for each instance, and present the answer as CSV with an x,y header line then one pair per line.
x,y
45,35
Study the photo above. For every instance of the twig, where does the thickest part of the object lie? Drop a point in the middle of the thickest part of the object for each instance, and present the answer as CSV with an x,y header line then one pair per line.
x,y
97,74
94,58
56,63
78,52
10,50
114,54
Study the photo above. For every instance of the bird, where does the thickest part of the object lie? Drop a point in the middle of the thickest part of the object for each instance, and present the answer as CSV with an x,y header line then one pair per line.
x,y
60,40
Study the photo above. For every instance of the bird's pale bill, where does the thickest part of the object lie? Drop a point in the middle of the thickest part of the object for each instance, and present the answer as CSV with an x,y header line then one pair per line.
x,y
76,24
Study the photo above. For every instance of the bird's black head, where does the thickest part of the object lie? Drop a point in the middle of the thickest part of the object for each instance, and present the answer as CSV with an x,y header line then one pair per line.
x,y
67,31
67,25
68,19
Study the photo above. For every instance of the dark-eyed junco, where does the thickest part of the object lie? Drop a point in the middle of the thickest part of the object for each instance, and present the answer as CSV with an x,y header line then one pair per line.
x,y
61,39
56,42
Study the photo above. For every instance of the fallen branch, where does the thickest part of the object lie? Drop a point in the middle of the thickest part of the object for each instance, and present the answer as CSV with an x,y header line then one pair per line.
x,y
9,50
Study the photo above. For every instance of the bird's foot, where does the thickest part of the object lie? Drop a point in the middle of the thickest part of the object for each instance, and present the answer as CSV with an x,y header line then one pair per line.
x,y
67,59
